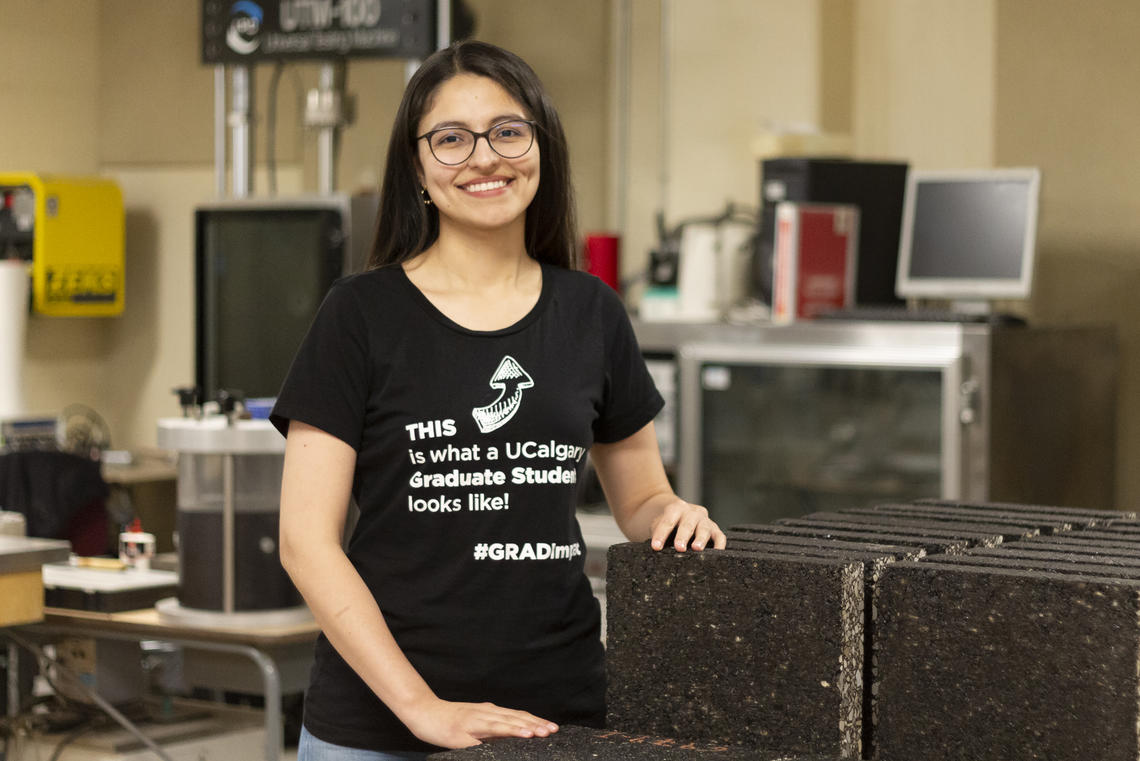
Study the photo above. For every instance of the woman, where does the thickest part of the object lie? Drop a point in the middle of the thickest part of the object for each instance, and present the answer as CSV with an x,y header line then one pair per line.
x,y
454,390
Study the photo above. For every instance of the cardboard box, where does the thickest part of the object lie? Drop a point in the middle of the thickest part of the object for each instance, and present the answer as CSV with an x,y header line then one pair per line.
x,y
21,580
816,258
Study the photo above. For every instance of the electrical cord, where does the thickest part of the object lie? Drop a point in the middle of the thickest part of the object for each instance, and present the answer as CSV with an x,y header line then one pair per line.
x,y
47,664
74,735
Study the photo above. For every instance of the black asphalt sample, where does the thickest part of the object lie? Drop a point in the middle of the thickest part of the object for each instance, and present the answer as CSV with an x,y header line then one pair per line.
x,y
869,533
1069,543
1131,531
1077,539
1053,557
874,559
1124,525
1043,522
572,743
749,539
1107,533
990,663
1099,567
981,536
749,649
1076,513
1008,531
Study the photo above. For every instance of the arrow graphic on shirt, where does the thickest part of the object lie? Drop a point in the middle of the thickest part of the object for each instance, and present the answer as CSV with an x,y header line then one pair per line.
x,y
510,379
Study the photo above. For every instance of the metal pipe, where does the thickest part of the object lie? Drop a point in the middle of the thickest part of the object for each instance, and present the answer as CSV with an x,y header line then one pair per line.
x,y
326,136
665,62
228,581
220,131
443,24
272,690
410,67
622,43
242,130
13,680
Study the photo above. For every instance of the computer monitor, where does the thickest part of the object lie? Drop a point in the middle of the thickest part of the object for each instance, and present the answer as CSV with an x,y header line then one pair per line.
x,y
968,236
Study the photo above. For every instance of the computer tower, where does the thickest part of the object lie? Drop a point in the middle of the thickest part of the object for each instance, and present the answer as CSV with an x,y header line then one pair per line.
x,y
876,187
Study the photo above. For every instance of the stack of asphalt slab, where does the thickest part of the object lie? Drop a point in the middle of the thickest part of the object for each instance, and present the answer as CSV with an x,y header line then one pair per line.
x,y
926,629
1024,650
777,643
582,744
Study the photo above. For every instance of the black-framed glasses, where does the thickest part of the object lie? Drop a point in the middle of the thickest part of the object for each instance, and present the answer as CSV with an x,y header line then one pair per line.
x,y
454,145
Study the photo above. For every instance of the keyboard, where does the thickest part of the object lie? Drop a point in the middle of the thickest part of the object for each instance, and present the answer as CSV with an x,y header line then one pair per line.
x,y
888,313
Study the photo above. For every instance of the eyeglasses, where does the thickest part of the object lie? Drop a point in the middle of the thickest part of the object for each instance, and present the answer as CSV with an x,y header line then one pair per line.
x,y
454,145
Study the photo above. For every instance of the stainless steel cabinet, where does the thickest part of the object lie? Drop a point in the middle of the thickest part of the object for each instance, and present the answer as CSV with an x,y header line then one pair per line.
x,y
776,421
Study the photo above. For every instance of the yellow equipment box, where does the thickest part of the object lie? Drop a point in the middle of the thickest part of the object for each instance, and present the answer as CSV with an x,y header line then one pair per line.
x,y
71,228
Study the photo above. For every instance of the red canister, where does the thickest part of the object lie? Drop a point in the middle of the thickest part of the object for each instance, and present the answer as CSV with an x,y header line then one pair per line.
x,y
603,254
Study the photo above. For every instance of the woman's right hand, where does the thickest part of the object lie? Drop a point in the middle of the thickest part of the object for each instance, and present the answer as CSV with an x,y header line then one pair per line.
x,y
460,725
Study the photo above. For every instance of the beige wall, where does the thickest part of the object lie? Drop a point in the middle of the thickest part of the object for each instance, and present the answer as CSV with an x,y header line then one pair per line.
x,y
1066,100
568,45
924,82
49,83
731,70
115,87
1043,83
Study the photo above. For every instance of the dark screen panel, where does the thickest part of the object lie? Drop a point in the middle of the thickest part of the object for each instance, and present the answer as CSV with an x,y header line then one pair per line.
x,y
969,229
262,274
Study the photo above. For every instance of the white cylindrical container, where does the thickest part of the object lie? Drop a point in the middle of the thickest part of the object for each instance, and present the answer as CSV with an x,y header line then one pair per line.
x,y
229,492
136,548
734,260
12,523
14,288
697,273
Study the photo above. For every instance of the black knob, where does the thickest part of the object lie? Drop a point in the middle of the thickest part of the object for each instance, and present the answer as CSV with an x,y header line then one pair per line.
x,y
228,400
190,398
188,395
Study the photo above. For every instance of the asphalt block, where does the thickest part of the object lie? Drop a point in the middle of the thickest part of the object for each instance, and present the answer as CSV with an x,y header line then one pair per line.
x,y
583,744
875,558
869,533
1007,531
1076,514
1057,559
986,662
749,649
1128,531
1089,537
750,539
1101,567
1112,534
986,537
1044,523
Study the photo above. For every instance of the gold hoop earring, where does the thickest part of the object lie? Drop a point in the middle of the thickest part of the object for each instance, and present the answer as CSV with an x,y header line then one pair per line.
x,y
424,195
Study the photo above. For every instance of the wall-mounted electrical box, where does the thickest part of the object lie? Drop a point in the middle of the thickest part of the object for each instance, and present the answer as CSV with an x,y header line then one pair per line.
x,y
71,228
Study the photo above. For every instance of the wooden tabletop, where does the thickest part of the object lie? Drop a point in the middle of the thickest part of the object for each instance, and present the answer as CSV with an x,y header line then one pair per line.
x,y
147,466
151,625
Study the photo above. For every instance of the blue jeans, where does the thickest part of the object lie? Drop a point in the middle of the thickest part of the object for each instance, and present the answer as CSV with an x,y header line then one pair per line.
x,y
310,748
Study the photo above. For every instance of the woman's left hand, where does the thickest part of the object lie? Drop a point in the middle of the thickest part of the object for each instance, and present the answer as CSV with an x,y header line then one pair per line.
x,y
693,527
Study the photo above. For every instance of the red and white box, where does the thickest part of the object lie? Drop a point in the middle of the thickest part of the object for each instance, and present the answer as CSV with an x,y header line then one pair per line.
x,y
816,254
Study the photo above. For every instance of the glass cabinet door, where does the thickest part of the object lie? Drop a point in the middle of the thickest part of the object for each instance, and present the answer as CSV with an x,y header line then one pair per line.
x,y
785,440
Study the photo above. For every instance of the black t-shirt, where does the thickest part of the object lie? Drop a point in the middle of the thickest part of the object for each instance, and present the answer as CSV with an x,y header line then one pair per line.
x,y
470,447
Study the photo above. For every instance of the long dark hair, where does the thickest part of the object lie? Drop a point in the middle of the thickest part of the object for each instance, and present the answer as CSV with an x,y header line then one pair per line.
x,y
405,226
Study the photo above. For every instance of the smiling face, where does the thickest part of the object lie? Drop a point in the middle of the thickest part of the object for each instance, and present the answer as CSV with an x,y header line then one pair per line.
x,y
485,192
